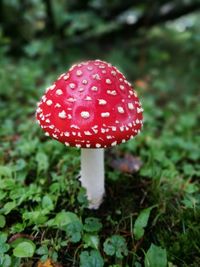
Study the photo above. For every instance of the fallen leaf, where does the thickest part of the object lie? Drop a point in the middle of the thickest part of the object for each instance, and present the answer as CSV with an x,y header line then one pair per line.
x,y
128,164
141,83
49,263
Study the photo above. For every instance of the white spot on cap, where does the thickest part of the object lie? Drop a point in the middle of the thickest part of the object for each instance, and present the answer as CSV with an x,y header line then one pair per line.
x,y
131,92
62,115
130,106
78,145
61,75
81,89
111,92
67,144
139,110
114,128
85,114
47,134
88,145
96,76
69,116
102,102
72,85
87,133
120,110
137,121
90,68
108,81
71,99
47,120
57,105
88,98
44,98
39,110
109,137
59,92
114,143
66,134
49,102
55,136
74,126
65,77
51,126
57,130
94,130
51,87
79,73
123,140
98,145
105,114
94,88
113,73
84,81
121,87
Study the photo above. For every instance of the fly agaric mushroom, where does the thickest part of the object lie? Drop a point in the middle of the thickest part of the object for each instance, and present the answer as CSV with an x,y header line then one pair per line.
x,y
92,106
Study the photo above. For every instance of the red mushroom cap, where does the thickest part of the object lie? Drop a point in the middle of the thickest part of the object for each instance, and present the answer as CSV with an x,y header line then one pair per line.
x,y
90,106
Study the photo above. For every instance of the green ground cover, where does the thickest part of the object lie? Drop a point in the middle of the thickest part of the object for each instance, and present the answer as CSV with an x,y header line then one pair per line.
x,y
149,217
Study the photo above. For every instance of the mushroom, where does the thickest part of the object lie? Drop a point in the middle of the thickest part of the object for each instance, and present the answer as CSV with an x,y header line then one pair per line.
x,y
92,107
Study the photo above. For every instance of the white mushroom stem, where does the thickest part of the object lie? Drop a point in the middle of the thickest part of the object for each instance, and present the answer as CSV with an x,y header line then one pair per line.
x,y
92,175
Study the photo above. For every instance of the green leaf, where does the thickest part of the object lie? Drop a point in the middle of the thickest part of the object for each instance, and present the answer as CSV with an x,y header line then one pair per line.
x,y
35,217
92,225
9,206
5,261
156,257
2,195
73,231
43,250
25,249
91,241
42,161
91,259
47,203
62,219
4,247
5,172
2,221
141,222
115,246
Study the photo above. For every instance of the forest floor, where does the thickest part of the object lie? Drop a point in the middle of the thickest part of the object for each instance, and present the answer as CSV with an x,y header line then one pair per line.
x,y
151,212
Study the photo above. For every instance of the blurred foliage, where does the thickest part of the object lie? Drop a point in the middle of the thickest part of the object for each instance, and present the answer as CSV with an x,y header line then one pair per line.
x,y
149,218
